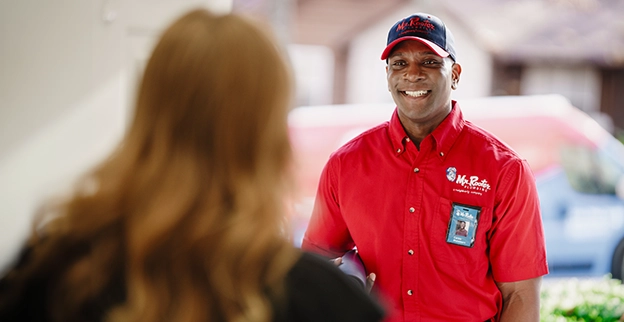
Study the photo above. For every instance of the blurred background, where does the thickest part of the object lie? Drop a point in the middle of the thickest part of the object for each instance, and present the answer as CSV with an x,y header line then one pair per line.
x,y
69,69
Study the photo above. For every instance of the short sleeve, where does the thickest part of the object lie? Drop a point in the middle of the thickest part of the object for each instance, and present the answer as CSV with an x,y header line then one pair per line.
x,y
327,234
517,246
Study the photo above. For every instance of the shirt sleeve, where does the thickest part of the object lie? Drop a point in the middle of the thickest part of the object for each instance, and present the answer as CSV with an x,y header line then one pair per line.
x,y
517,246
327,233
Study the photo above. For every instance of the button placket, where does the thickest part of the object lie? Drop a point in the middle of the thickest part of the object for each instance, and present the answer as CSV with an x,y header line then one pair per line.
x,y
417,158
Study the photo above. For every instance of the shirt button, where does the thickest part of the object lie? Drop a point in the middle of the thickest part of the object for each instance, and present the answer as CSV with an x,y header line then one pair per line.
x,y
441,154
416,170
407,139
412,209
411,252
409,292
398,150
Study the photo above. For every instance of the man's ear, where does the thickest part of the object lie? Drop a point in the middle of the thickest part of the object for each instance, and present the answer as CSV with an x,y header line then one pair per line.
x,y
455,74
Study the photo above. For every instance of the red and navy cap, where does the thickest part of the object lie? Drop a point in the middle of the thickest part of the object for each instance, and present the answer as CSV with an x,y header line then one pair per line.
x,y
426,28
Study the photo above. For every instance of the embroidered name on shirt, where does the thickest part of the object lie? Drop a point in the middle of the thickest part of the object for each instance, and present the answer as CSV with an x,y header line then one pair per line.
x,y
470,184
473,183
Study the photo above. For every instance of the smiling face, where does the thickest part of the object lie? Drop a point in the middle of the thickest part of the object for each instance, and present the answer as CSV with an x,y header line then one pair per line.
x,y
420,82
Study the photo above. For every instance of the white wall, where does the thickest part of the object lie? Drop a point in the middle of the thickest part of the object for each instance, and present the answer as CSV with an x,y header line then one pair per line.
x,y
68,71
314,71
580,84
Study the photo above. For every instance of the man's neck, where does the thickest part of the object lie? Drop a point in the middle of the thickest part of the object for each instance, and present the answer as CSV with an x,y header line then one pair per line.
x,y
418,131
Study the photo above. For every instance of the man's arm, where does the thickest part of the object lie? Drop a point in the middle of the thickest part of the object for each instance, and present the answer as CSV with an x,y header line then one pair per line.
x,y
521,300
327,233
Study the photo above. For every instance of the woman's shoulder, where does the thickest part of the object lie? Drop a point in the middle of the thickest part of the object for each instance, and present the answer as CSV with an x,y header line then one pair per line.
x,y
28,294
22,300
318,291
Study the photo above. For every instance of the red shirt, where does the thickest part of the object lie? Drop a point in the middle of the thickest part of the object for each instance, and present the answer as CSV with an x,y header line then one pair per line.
x,y
380,193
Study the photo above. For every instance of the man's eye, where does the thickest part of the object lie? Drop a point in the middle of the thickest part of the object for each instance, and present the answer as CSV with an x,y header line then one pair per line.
x,y
431,62
398,63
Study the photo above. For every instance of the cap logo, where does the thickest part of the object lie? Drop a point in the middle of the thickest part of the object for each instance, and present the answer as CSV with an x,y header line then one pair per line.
x,y
415,23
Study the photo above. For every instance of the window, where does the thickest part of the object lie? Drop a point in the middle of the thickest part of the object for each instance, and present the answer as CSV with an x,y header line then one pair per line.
x,y
590,170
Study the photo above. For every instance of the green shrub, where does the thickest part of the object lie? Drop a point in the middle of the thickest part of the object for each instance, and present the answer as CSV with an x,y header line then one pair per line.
x,y
576,299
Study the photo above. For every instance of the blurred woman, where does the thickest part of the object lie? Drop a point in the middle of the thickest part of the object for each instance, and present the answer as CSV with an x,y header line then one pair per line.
x,y
184,221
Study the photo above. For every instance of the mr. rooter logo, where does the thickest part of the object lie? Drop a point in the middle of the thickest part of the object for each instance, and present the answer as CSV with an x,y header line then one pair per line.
x,y
416,23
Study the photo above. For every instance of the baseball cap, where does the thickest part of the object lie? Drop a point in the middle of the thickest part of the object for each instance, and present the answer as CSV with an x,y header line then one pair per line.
x,y
426,28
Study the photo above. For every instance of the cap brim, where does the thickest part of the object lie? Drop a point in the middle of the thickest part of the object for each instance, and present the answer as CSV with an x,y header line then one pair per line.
x,y
439,51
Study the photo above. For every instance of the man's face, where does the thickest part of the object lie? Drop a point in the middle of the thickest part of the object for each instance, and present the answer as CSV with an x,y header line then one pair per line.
x,y
420,83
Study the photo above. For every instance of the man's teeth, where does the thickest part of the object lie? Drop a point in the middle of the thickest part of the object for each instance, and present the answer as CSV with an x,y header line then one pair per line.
x,y
415,93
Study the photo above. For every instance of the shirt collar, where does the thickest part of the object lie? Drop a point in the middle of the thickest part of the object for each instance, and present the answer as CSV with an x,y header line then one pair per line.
x,y
398,137
443,136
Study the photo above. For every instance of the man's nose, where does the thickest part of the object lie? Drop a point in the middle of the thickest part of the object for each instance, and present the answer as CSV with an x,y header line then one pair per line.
x,y
413,72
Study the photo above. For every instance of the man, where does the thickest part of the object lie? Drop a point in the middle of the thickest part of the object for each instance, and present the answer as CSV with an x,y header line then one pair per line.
x,y
394,191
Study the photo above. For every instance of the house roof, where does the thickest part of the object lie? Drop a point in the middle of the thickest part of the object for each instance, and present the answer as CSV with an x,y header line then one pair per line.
x,y
566,31
334,23
331,23
570,31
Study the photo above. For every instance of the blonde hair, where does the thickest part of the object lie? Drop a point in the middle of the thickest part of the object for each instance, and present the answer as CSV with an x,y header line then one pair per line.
x,y
188,212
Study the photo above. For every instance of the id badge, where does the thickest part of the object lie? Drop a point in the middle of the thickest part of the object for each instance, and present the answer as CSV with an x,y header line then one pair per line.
x,y
462,227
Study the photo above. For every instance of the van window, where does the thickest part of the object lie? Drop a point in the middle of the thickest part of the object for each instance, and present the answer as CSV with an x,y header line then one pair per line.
x,y
590,170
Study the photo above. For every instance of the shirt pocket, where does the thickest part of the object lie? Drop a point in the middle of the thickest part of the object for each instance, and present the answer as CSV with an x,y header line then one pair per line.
x,y
442,251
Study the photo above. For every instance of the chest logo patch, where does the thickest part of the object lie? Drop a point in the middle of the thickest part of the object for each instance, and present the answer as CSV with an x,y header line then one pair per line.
x,y
451,174
467,183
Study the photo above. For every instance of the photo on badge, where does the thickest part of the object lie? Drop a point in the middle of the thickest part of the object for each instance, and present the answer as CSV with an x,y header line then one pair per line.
x,y
463,224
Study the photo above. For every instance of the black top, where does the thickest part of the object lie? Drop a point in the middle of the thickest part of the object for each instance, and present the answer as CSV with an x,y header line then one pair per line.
x,y
315,291
319,291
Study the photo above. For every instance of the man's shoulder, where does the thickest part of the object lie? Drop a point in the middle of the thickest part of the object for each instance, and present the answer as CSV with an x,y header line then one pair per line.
x,y
486,141
375,136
